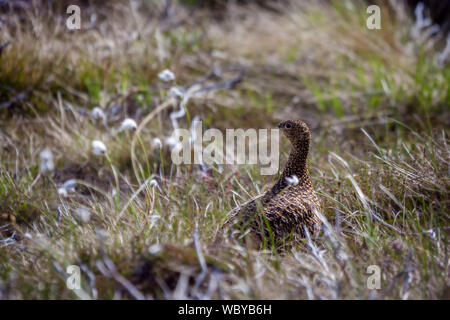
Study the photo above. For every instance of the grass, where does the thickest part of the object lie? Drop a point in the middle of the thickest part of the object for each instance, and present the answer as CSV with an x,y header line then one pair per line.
x,y
376,101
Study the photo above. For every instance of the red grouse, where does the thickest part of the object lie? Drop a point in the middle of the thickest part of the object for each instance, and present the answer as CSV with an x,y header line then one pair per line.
x,y
290,206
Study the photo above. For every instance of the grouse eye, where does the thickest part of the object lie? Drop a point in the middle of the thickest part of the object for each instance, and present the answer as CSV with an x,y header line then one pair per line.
x,y
288,125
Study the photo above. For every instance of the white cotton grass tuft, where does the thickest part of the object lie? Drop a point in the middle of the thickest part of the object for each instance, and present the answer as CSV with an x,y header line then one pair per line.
x,y
128,124
157,143
97,113
83,214
98,147
46,163
63,192
67,187
70,185
155,249
173,143
292,180
166,75
153,183
176,93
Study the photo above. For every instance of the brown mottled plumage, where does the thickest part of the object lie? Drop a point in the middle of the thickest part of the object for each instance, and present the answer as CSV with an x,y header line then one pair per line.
x,y
289,208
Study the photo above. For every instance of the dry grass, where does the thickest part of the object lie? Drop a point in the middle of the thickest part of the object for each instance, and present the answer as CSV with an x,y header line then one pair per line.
x,y
377,103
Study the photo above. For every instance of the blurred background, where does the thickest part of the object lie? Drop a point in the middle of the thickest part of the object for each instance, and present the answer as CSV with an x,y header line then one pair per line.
x,y
377,102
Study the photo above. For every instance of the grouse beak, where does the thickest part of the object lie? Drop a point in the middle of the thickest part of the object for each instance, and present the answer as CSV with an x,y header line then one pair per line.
x,y
279,125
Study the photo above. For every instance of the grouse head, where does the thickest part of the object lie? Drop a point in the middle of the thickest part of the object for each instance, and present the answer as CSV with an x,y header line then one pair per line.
x,y
296,131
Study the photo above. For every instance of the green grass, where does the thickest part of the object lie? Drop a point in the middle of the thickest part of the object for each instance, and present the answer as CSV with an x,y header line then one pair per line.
x,y
379,158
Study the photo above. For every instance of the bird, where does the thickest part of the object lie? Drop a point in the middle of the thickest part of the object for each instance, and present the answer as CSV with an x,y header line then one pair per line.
x,y
291,205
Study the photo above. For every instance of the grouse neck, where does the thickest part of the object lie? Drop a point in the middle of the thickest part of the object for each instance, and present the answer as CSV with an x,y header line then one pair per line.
x,y
296,165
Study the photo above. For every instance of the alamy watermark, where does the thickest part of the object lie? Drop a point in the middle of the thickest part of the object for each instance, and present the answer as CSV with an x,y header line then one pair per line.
x,y
73,282
240,146
374,20
73,22
374,280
